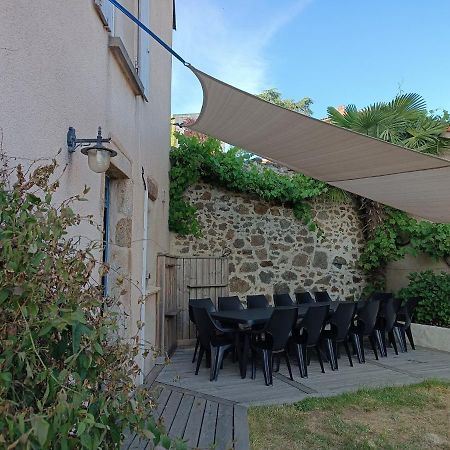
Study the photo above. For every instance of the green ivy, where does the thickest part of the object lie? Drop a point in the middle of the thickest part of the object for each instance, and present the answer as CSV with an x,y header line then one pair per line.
x,y
434,290
194,160
400,234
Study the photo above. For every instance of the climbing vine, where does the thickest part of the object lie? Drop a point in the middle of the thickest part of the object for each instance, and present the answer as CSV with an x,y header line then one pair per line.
x,y
195,160
400,234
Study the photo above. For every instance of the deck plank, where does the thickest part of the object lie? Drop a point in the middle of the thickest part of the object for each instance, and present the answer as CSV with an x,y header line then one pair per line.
x,y
241,431
194,424
181,418
224,428
208,431
171,409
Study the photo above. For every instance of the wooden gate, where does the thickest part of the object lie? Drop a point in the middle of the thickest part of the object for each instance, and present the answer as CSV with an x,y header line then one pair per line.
x,y
181,279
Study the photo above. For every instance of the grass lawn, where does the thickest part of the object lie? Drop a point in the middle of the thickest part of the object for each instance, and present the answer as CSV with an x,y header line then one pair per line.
x,y
406,417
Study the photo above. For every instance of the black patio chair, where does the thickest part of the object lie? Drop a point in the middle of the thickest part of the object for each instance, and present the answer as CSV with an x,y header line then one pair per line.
x,y
257,301
322,297
272,342
308,335
232,303
206,303
382,297
338,333
385,323
214,340
303,298
364,327
282,300
404,319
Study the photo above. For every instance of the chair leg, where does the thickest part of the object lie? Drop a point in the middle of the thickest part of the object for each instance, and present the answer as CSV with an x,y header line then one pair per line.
x,y
410,337
357,346
361,346
270,368
266,366
319,357
374,348
275,363
349,355
392,341
299,353
199,359
379,341
197,342
402,338
253,364
218,361
288,363
330,351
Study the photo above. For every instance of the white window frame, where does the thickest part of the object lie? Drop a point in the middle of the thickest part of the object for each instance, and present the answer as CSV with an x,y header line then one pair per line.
x,y
143,60
107,14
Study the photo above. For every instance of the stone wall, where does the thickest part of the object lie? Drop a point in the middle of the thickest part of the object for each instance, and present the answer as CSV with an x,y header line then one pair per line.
x,y
270,250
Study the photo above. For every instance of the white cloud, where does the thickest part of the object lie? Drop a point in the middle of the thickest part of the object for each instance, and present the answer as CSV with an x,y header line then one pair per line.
x,y
225,46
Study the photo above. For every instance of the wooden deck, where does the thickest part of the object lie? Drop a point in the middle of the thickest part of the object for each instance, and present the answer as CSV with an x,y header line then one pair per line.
x,y
213,414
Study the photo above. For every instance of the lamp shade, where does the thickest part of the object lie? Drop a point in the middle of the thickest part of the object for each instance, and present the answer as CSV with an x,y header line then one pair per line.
x,y
99,160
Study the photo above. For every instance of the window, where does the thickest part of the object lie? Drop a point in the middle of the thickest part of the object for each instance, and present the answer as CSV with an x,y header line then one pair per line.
x,y
106,10
144,46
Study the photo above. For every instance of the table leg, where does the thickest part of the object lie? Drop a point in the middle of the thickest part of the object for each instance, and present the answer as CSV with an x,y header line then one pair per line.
x,y
244,355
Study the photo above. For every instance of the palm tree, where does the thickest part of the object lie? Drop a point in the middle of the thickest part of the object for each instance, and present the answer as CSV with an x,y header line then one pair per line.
x,y
404,121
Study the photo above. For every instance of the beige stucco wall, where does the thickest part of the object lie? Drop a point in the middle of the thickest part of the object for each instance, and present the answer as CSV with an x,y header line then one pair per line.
x,y
56,71
397,272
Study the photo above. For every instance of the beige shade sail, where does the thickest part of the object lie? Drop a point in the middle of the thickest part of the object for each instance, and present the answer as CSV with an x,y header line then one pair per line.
x,y
405,179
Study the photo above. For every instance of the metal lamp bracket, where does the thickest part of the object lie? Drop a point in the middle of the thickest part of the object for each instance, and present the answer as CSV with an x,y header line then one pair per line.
x,y
73,143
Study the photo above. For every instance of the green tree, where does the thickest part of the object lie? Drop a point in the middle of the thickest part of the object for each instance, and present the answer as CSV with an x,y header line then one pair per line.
x,y
404,121
302,106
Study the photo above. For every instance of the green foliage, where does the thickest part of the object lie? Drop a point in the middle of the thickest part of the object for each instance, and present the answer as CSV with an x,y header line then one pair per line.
x,y
403,121
66,378
193,160
274,96
434,290
400,234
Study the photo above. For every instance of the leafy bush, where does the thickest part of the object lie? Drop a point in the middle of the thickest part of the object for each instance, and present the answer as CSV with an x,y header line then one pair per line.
x,y
195,160
434,289
66,378
400,234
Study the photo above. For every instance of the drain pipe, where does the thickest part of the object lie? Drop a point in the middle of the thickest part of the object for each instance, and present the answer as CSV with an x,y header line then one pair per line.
x,y
143,283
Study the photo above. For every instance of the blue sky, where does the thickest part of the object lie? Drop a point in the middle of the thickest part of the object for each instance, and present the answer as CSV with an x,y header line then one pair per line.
x,y
336,52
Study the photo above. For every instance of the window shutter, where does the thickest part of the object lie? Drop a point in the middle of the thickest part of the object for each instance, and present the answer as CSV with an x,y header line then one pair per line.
x,y
144,46
106,10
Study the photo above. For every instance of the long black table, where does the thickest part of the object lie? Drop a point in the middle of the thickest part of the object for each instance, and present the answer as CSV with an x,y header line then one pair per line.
x,y
260,316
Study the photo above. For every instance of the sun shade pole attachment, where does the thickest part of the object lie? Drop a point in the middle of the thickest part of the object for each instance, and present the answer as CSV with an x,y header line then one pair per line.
x,y
148,31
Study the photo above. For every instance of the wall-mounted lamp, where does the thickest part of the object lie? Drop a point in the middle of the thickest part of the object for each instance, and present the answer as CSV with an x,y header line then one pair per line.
x,y
99,156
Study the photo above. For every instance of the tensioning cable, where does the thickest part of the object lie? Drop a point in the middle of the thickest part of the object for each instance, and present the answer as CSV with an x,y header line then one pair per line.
x,y
148,31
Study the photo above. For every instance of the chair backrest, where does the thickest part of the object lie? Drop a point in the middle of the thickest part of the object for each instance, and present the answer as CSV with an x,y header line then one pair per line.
x,y
313,323
257,301
322,296
342,319
381,296
280,325
229,303
410,307
282,300
390,308
367,316
205,325
206,303
304,297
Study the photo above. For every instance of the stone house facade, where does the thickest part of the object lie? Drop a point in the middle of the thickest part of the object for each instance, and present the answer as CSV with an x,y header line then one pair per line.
x,y
271,251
